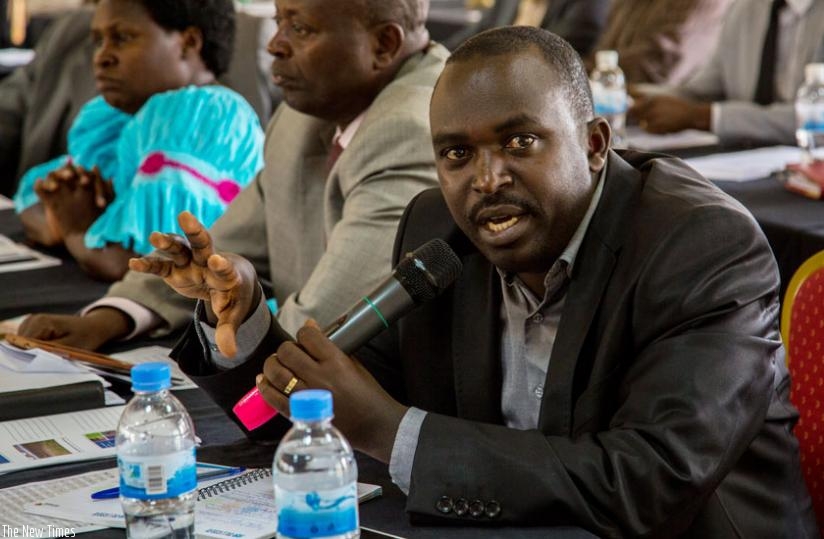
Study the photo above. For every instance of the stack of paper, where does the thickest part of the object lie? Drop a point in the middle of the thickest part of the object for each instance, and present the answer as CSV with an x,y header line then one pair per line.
x,y
688,138
18,257
747,165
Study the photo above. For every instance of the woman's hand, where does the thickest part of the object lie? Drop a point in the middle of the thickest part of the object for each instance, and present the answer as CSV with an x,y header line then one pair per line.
x,y
72,199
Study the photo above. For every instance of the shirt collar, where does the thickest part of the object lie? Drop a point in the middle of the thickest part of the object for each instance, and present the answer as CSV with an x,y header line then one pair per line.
x,y
800,7
345,137
571,252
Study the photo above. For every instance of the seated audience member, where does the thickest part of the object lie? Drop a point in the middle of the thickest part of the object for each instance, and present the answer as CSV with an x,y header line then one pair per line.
x,y
745,91
609,357
39,102
162,138
661,42
578,21
357,76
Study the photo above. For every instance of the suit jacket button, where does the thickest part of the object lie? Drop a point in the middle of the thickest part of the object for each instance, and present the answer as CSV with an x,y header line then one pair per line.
x,y
476,508
444,505
461,507
492,509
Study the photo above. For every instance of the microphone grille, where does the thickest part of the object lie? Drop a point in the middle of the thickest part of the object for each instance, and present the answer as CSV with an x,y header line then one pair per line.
x,y
428,270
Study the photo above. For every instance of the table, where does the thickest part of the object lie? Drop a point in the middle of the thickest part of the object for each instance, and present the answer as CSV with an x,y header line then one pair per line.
x,y
225,443
58,289
794,225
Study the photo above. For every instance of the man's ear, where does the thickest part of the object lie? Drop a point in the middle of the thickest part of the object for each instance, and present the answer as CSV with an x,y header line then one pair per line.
x,y
387,44
598,137
191,40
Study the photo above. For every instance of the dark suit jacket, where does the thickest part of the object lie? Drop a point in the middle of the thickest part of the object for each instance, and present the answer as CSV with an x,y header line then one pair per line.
x,y
578,21
666,411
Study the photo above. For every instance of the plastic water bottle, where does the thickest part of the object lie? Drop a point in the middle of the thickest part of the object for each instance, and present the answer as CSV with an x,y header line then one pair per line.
x,y
609,93
156,458
315,474
809,110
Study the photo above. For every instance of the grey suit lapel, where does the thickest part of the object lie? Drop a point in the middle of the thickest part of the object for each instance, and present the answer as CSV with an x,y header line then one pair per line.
x,y
593,268
476,342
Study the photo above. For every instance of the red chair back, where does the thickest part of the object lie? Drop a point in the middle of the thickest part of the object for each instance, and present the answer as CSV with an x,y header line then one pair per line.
x,y
802,328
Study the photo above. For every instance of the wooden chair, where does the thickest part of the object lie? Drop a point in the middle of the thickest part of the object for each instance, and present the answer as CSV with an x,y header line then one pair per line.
x,y
802,329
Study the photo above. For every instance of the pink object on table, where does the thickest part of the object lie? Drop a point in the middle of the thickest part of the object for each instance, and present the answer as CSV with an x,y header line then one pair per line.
x,y
252,410
227,190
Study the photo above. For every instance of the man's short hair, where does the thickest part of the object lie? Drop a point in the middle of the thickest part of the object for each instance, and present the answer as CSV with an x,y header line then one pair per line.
x,y
410,14
214,18
558,53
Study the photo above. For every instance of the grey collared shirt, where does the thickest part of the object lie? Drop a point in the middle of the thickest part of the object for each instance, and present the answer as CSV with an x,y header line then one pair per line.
x,y
529,325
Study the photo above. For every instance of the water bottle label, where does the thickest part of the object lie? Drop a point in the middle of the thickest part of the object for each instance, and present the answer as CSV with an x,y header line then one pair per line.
x,y
813,125
608,102
157,477
317,513
810,116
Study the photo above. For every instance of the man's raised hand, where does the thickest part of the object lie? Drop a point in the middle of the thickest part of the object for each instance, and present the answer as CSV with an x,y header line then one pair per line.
x,y
225,282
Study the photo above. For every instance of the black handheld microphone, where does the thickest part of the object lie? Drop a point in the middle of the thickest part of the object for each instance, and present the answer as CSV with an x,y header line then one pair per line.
x,y
419,277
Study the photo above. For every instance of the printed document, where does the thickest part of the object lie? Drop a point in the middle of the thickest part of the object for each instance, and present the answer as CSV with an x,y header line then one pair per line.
x,y
55,439
17,524
242,507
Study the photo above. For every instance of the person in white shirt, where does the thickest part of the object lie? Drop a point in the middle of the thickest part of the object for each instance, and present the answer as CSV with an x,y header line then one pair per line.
x,y
723,96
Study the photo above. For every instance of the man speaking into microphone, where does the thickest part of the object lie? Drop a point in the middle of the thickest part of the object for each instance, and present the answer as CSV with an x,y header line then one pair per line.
x,y
609,356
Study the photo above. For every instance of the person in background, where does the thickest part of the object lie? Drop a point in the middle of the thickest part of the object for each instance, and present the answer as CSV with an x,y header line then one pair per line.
x,y
344,154
162,138
578,21
661,42
39,102
745,92
608,358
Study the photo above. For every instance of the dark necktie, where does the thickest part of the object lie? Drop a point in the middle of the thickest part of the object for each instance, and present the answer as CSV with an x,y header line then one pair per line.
x,y
334,153
765,88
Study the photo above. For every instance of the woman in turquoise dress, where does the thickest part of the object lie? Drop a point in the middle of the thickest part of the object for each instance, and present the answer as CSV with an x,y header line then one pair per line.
x,y
161,138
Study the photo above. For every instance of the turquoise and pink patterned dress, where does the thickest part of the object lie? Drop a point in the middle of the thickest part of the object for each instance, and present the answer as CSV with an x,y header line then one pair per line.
x,y
189,149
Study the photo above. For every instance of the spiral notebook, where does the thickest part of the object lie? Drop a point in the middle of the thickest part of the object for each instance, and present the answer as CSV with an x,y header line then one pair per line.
x,y
241,507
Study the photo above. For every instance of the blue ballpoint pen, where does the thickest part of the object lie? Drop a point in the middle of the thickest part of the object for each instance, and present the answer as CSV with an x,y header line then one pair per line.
x,y
205,471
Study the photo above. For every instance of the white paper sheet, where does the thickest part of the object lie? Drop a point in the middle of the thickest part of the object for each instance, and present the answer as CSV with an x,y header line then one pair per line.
x,y
18,257
15,58
158,353
639,139
17,524
747,165
36,360
42,370
55,439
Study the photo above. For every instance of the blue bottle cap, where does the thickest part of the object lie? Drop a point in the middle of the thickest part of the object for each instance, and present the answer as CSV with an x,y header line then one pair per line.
x,y
311,405
151,377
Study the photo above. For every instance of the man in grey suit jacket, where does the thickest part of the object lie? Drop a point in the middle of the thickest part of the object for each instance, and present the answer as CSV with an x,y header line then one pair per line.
x,y
319,233
609,357
580,22
720,96
39,102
